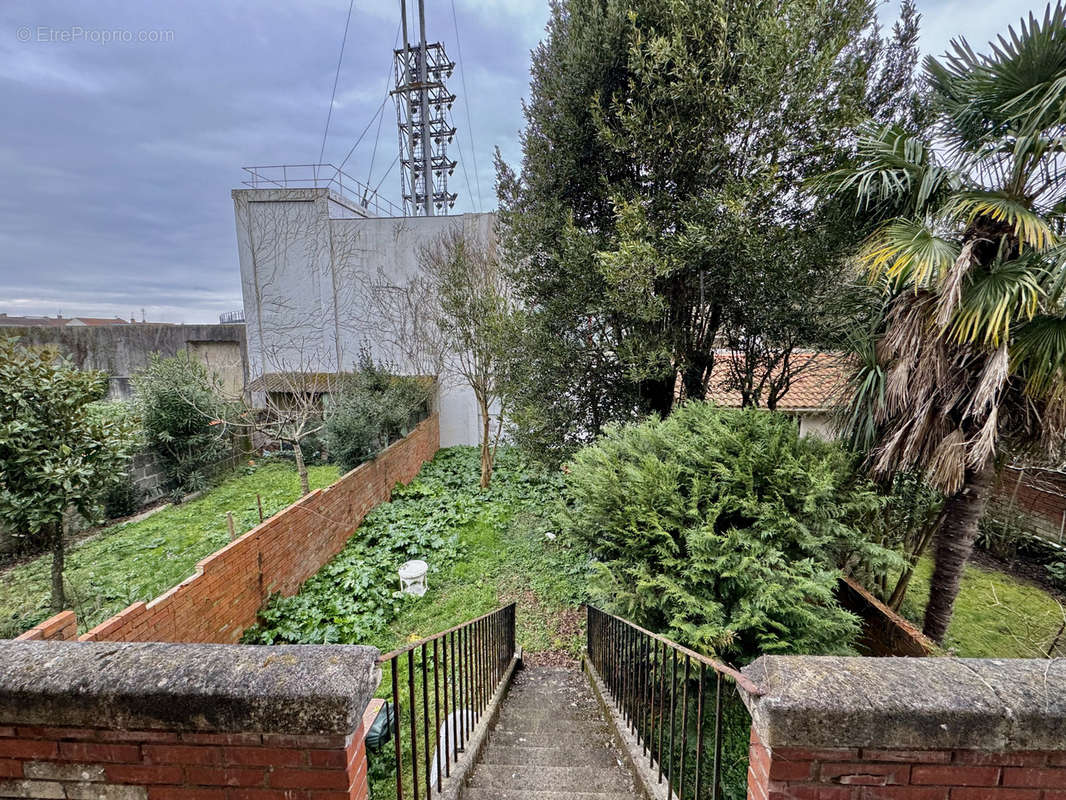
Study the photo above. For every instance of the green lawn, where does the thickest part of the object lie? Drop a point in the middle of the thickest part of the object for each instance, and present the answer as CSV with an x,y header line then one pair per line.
x,y
140,560
996,615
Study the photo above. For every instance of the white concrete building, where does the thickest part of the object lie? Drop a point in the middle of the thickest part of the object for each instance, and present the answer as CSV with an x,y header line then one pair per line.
x,y
314,265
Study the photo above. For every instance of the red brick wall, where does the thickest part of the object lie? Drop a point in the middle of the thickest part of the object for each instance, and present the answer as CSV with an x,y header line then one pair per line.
x,y
875,774
1038,496
62,626
884,632
223,597
165,765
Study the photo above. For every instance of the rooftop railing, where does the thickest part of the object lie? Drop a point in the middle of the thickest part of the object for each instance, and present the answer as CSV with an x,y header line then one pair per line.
x,y
321,176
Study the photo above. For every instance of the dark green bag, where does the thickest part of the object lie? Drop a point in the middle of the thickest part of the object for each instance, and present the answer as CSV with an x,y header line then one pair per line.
x,y
381,729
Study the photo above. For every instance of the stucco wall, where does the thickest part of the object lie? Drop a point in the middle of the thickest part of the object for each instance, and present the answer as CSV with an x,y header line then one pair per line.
x,y
121,350
311,268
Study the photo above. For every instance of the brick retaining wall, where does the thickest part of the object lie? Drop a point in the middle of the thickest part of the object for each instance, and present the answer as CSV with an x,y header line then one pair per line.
x,y
1035,497
223,596
118,721
907,729
884,632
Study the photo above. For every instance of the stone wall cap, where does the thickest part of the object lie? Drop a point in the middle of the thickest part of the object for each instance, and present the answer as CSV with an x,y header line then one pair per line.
x,y
998,705
294,689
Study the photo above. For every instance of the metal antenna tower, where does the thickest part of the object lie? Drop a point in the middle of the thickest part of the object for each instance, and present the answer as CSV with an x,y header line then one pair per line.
x,y
423,104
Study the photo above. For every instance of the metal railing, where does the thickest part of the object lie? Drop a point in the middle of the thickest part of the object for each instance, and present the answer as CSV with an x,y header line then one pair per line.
x,y
451,676
662,692
321,176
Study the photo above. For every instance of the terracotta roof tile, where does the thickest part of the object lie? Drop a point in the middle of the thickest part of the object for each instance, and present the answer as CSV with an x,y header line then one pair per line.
x,y
814,388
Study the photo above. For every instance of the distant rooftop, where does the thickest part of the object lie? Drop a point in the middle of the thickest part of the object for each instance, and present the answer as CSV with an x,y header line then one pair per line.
x,y
60,321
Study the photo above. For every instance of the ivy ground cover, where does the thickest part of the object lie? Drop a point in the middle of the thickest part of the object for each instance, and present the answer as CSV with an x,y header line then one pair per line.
x,y
485,548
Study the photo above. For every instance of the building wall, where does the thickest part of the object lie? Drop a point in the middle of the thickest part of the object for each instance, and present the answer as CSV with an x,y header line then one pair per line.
x,y
121,350
313,271
818,424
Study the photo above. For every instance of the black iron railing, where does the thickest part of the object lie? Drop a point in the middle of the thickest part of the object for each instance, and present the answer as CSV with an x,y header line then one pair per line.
x,y
441,686
682,707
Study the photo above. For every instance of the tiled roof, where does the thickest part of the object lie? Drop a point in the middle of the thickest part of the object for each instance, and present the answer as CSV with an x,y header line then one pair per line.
x,y
815,388
33,322
99,321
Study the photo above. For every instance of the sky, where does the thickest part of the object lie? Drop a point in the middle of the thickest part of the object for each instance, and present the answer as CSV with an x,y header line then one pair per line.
x,y
126,125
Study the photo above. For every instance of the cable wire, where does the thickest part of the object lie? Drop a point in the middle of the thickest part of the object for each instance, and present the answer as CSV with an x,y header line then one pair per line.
x,y
381,118
466,102
387,173
361,135
336,77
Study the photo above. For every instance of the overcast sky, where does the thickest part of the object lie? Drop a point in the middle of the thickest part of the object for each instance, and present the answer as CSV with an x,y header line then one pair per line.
x,y
117,157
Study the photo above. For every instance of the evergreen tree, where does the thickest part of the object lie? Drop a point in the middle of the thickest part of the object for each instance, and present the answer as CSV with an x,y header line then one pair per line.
x,y
663,190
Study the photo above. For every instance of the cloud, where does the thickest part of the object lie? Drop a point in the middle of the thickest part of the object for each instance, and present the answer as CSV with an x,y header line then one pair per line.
x,y
117,159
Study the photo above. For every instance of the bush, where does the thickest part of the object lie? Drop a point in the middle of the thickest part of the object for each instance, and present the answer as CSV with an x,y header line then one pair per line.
x,y
372,408
123,498
178,403
725,530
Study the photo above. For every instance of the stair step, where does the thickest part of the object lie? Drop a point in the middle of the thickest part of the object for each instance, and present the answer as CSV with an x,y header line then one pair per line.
x,y
550,742
540,778
586,753
545,722
525,794
574,736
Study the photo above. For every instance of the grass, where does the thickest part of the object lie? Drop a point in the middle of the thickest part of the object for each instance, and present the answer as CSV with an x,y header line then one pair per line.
x,y
485,548
136,561
504,559
996,615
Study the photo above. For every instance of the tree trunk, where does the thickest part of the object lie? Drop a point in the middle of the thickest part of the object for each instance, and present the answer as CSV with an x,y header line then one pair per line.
x,y
301,468
486,451
658,394
904,582
59,597
954,544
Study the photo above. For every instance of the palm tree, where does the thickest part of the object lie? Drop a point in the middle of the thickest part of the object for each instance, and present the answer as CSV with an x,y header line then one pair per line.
x,y
968,362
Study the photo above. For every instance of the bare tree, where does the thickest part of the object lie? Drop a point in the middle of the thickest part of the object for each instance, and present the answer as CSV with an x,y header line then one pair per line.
x,y
448,321
290,409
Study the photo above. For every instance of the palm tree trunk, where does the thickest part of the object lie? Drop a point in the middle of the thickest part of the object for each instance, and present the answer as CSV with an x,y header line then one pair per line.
x,y
954,544
59,597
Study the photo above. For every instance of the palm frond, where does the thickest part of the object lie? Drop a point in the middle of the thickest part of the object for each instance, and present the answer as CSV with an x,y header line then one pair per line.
x,y
1030,227
863,393
1052,263
897,171
908,253
947,464
1038,355
1021,86
993,301
1029,68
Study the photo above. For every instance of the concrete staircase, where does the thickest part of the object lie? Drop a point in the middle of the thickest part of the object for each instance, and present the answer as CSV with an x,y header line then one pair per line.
x,y
550,742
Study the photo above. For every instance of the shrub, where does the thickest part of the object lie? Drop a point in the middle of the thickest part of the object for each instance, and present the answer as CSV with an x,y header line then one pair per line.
x,y
122,498
178,401
372,407
724,530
